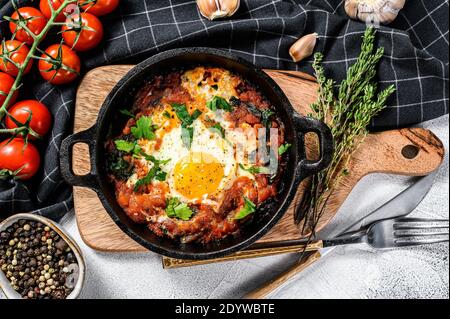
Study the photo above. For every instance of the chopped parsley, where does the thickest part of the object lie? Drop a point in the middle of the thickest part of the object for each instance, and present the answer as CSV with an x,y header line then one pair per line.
x,y
152,159
127,113
284,148
154,173
255,169
219,103
249,208
187,132
183,114
177,209
166,114
265,116
144,128
187,135
219,129
119,167
125,146
129,147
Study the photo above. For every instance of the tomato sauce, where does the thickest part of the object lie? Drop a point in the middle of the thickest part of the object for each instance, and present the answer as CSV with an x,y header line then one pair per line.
x,y
148,204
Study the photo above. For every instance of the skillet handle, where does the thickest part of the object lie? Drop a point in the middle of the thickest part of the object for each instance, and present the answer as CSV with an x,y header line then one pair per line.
x,y
89,180
305,125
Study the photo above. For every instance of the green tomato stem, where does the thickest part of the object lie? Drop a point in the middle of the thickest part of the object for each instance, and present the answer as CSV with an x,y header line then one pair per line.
x,y
19,130
37,40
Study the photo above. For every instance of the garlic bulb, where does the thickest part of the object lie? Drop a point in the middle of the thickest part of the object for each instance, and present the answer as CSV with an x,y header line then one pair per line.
x,y
303,47
373,11
216,9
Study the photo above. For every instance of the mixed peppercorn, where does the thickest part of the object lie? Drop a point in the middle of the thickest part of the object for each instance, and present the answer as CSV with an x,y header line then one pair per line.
x,y
38,263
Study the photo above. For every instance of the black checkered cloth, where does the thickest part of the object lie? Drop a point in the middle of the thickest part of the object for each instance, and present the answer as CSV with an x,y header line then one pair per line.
x,y
415,61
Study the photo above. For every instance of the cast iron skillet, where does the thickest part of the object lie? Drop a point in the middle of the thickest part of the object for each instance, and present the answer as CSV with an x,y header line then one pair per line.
x,y
108,122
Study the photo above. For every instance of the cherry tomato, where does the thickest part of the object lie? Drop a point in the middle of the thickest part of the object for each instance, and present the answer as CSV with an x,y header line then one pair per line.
x,y
34,19
99,7
46,11
16,51
65,73
16,155
90,29
6,83
41,118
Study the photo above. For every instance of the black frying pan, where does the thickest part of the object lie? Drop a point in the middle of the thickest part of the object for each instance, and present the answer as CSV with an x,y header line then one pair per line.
x,y
297,167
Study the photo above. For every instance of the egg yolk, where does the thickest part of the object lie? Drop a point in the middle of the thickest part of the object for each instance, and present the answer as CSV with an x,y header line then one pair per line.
x,y
198,174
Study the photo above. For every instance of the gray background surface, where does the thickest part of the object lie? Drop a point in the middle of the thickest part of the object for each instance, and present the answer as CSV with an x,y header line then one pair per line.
x,y
347,272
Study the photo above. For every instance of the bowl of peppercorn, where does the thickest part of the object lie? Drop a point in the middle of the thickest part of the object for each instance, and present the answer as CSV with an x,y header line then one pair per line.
x,y
38,260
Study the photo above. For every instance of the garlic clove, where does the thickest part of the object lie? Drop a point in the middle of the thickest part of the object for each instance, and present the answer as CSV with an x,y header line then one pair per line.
x,y
303,47
351,8
382,11
216,9
230,6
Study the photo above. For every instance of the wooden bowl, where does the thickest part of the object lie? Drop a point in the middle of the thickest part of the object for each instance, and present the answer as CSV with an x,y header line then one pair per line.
x,y
5,285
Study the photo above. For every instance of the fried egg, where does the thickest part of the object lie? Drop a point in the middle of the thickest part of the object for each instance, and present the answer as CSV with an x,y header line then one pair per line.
x,y
203,172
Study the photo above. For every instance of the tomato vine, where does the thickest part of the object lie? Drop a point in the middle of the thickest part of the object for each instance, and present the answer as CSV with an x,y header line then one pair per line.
x,y
37,39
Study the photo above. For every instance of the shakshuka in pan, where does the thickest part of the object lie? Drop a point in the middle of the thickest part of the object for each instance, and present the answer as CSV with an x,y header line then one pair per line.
x,y
202,148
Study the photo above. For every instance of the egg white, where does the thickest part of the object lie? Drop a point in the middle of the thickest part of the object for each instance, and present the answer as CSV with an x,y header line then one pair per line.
x,y
205,140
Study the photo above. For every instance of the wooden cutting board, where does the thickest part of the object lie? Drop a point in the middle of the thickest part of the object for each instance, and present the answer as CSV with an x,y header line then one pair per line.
x,y
413,152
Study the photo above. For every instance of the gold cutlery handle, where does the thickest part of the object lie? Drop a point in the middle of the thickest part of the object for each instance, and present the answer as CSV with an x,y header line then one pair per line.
x,y
272,285
169,263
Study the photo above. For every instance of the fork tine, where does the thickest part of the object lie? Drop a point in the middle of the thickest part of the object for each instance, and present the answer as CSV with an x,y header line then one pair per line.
x,y
416,220
419,223
423,226
417,234
402,243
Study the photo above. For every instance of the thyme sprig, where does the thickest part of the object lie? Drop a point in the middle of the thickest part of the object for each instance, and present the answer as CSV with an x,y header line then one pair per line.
x,y
347,111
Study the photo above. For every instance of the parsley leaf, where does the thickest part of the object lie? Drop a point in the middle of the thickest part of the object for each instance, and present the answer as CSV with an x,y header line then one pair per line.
x,y
129,147
284,148
119,167
161,176
147,179
127,113
219,128
195,115
265,116
182,113
255,169
144,128
187,132
177,209
166,114
187,135
249,208
125,146
137,151
219,103
154,173
153,159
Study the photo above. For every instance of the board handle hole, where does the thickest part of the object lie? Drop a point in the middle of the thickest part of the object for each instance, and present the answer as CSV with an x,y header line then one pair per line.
x,y
410,151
